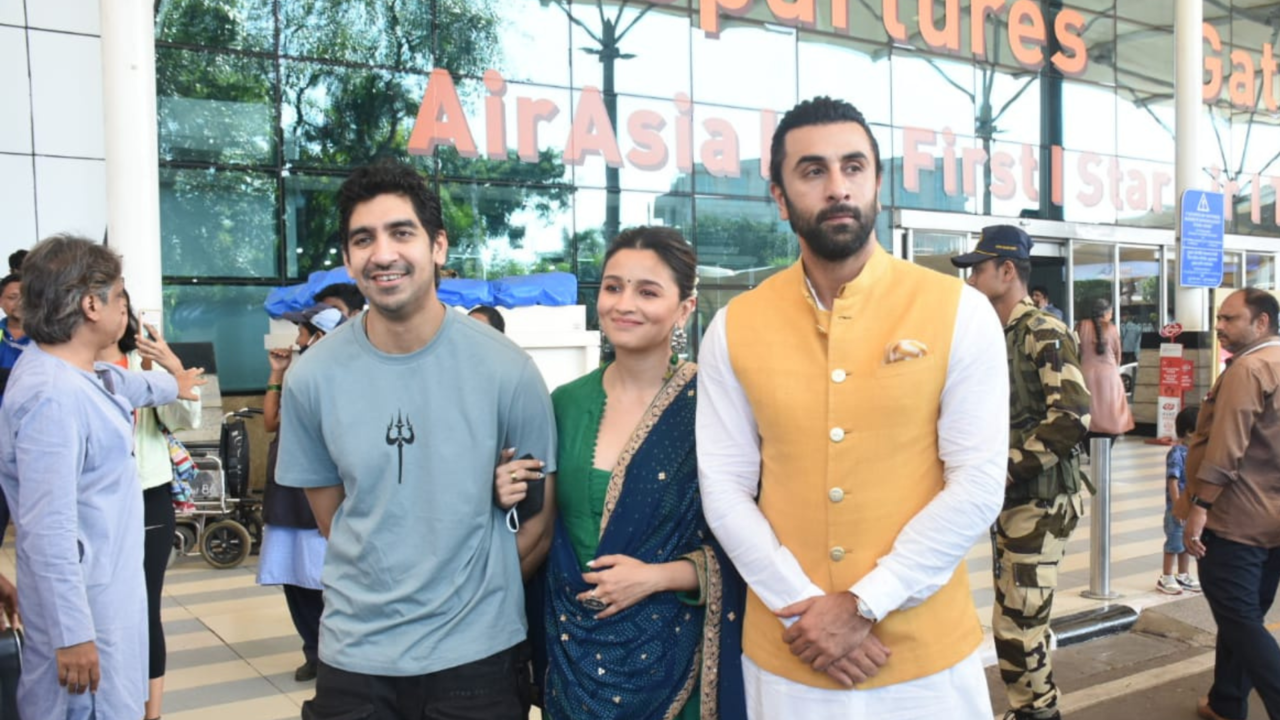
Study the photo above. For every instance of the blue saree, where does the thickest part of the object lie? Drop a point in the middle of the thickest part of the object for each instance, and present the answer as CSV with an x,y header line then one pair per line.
x,y
651,659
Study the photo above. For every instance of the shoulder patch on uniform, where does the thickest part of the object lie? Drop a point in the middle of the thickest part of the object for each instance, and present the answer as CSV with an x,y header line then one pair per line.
x,y
1044,321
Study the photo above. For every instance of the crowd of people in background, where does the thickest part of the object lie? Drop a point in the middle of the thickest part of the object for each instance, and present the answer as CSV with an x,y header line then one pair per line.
x,y
658,538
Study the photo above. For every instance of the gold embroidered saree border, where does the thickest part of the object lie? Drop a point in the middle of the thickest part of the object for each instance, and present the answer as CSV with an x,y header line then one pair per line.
x,y
659,405
712,593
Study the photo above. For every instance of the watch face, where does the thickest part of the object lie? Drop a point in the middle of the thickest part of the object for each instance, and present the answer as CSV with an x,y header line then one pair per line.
x,y
864,610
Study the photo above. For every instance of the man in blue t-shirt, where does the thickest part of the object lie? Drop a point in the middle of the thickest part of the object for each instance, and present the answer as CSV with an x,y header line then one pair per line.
x,y
394,426
15,340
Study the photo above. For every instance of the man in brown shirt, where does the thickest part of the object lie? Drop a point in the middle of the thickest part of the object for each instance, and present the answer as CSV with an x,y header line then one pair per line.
x,y
1232,505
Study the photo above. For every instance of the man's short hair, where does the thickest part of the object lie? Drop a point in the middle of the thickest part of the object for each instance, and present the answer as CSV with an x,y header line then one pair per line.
x,y
59,273
1021,266
821,110
15,260
1261,301
491,314
1040,289
346,292
388,177
10,278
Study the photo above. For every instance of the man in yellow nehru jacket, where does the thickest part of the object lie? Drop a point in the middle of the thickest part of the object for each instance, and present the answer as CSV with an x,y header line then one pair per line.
x,y
852,434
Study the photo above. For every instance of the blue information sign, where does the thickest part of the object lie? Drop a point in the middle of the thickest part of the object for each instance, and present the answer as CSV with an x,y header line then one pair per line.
x,y
1200,230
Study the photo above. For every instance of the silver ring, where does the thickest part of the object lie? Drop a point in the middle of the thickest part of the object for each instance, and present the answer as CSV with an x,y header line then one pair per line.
x,y
591,602
1195,539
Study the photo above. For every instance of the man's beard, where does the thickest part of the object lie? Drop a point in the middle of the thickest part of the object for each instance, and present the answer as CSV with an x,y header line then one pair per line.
x,y
834,242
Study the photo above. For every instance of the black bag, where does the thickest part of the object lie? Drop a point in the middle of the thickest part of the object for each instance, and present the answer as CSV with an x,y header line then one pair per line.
x,y
234,449
10,669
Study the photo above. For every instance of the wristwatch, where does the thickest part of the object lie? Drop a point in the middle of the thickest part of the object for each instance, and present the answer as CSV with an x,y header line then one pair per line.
x,y
1201,502
865,612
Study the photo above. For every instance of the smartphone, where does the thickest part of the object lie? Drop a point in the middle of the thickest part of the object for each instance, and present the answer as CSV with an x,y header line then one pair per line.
x,y
150,317
532,503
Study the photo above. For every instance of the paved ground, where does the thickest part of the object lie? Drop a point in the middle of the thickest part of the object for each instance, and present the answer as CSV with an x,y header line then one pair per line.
x,y
233,648
1156,671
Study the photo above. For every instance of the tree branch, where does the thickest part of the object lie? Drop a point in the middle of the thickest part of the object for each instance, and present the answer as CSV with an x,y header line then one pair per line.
x,y
633,22
953,83
560,4
1222,152
1013,99
621,7
1253,112
1269,163
1147,106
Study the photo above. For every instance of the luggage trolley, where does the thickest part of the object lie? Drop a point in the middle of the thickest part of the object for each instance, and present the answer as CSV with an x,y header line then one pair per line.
x,y
226,521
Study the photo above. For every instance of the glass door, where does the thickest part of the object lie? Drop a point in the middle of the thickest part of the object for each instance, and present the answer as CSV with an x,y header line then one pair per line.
x,y
934,249
1093,276
1139,287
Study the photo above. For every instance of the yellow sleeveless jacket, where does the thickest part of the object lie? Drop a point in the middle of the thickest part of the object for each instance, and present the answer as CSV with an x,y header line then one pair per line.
x,y
849,446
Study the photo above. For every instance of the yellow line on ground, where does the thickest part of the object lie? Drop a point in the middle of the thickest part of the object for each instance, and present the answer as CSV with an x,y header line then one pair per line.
x,y
1274,626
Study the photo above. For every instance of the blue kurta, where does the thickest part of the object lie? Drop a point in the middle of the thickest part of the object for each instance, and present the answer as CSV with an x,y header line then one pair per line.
x,y
67,468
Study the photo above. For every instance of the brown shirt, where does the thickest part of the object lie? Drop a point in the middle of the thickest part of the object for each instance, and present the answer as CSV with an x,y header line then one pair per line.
x,y
1237,446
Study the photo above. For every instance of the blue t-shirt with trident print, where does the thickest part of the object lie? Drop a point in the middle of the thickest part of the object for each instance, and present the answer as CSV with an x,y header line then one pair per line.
x,y
421,572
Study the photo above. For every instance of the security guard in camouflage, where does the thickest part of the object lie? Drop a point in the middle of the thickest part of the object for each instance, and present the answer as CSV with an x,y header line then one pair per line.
x,y
1048,419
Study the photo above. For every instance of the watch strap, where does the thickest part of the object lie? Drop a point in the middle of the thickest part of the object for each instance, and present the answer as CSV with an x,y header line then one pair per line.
x,y
1201,502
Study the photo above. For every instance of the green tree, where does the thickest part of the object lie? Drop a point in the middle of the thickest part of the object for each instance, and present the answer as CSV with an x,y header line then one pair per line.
x,y
490,204
747,243
609,39
351,77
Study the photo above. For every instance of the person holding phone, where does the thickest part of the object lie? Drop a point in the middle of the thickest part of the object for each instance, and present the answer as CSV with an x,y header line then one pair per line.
x,y
292,554
632,564
142,348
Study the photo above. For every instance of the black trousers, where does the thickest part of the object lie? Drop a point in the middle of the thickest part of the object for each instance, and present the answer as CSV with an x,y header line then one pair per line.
x,y
487,689
305,607
158,517
1240,584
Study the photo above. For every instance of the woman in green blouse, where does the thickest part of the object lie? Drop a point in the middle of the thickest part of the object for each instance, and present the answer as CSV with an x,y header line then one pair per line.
x,y
640,621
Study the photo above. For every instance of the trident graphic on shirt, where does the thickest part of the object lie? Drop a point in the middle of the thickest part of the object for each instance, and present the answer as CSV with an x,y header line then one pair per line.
x,y
403,436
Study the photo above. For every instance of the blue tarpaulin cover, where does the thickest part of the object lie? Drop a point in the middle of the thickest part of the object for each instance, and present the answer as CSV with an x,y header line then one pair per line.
x,y
300,297
558,288
465,293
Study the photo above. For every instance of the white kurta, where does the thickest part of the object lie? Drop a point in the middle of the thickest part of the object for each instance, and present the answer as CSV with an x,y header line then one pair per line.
x,y
973,437
67,468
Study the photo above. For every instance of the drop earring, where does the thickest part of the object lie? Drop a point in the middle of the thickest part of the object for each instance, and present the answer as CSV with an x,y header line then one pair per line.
x,y
679,341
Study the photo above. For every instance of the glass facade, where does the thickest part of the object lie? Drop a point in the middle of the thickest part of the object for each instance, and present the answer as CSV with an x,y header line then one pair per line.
x,y
558,122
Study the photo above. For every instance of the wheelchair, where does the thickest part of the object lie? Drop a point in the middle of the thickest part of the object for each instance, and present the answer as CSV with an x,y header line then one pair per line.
x,y
225,523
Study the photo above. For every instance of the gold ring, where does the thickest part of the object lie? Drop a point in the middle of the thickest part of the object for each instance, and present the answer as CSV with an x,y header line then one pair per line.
x,y
513,475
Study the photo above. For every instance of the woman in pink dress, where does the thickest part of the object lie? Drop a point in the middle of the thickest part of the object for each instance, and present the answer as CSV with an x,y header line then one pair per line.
x,y
1109,412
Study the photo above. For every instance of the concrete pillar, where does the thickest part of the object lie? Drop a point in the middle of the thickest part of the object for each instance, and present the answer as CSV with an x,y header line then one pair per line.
x,y
133,176
1192,305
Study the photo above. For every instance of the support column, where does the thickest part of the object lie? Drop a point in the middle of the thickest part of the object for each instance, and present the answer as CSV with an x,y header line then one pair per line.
x,y
129,123
1192,305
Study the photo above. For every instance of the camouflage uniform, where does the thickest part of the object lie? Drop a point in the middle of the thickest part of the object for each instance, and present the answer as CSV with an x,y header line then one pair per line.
x,y
1048,418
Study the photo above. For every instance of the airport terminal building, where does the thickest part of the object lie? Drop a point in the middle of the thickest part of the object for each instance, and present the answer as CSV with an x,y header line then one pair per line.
x,y
548,125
